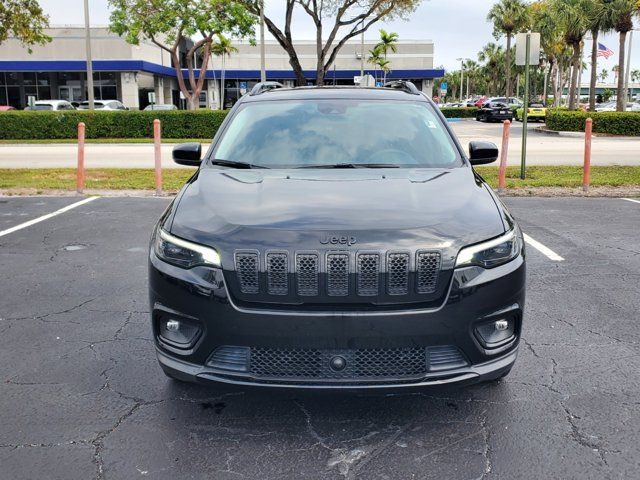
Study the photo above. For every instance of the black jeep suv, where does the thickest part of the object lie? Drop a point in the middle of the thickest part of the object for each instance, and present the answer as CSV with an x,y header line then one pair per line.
x,y
336,238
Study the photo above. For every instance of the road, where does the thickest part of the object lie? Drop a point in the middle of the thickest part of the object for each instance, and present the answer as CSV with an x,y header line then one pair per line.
x,y
81,394
542,150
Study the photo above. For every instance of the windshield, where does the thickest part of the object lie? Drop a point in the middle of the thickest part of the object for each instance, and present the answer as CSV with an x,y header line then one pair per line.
x,y
42,106
85,105
308,133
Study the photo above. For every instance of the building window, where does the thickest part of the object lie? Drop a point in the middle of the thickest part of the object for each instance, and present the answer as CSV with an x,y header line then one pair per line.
x,y
104,86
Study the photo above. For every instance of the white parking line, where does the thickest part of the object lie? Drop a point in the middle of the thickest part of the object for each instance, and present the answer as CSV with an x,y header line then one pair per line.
x,y
631,200
46,217
546,251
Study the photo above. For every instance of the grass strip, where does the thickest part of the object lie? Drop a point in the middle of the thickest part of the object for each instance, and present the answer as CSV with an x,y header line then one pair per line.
x,y
143,179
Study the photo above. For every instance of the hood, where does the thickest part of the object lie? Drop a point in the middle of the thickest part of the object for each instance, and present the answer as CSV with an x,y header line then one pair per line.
x,y
318,209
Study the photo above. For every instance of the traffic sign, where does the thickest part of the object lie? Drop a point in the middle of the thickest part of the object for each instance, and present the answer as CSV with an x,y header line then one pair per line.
x,y
534,48
151,96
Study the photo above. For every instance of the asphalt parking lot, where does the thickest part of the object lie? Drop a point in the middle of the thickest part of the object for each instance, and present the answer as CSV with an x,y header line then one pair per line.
x,y
81,395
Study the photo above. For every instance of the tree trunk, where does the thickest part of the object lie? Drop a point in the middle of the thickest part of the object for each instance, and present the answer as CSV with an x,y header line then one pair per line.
x,y
222,84
575,62
594,71
622,95
545,86
508,66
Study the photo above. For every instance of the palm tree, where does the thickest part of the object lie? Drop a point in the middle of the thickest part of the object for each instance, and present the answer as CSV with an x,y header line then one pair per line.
x,y
552,43
492,56
574,18
223,48
384,66
619,14
388,42
598,22
635,75
615,70
375,57
508,17
604,74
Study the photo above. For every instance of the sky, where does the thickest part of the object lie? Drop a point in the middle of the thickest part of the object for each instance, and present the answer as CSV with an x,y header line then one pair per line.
x,y
458,27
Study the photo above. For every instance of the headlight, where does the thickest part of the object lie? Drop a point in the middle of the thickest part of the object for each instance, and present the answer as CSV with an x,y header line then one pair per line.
x,y
183,254
492,253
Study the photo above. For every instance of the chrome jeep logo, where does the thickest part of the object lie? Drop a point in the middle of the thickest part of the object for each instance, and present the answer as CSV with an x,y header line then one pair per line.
x,y
338,240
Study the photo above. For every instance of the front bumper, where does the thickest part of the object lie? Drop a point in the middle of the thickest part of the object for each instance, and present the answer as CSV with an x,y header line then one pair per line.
x,y
475,296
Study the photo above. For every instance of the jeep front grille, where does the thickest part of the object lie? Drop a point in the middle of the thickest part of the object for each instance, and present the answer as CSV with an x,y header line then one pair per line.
x,y
338,274
277,273
247,270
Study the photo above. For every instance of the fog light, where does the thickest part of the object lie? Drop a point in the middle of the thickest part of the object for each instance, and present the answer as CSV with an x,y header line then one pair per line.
x,y
496,333
173,325
178,333
501,325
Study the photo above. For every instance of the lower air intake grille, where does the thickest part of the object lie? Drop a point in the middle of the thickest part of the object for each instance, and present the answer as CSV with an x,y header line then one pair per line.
x,y
445,357
379,364
247,271
230,358
427,268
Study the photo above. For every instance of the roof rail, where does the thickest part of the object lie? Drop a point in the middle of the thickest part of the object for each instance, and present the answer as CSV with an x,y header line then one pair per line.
x,y
265,87
404,85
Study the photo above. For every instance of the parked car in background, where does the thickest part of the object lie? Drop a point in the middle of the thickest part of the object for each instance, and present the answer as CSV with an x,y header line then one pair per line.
x,y
494,112
535,112
611,107
6,108
54,105
480,101
104,105
512,103
165,106
606,107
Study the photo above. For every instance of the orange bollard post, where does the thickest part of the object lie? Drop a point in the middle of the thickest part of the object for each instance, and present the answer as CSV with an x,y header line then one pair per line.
x,y
157,153
586,175
502,171
80,169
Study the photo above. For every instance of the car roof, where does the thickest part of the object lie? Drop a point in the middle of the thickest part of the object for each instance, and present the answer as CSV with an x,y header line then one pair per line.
x,y
49,102
335,92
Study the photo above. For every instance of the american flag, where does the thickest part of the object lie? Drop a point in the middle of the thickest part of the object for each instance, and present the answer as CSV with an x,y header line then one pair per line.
x,y
604,51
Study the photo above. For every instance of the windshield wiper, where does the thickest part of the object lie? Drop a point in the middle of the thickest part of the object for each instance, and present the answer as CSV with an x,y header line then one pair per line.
x,y
233,164
354,165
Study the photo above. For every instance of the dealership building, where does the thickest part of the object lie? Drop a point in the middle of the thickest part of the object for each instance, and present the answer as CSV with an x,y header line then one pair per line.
x,y
128,73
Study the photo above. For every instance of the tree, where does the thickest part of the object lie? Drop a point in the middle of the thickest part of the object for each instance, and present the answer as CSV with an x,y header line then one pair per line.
x,y
574,18
24,20
604,74
335,22
168,23
635,75
375,57
598,22
388,41
492,55
223,48
508,17
619,14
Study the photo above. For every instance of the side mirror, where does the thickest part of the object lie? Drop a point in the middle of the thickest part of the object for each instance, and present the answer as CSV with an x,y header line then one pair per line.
x,y
481,153
188,154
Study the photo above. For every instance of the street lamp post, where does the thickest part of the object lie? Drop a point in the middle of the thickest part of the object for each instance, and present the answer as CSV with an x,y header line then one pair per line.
x,y
263,72
87,31
461,60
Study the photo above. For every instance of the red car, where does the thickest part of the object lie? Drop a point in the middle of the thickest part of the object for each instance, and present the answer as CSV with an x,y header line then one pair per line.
x,y
6,108
480,101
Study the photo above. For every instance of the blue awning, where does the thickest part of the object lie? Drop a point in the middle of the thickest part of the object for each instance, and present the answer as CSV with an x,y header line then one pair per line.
x,y
149,67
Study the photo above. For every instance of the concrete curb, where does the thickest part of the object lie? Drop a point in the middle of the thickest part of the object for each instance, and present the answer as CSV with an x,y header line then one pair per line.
x,y
546,131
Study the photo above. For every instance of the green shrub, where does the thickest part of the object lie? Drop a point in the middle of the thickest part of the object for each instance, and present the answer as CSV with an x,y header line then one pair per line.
x,y
613,123
459,112
25,125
